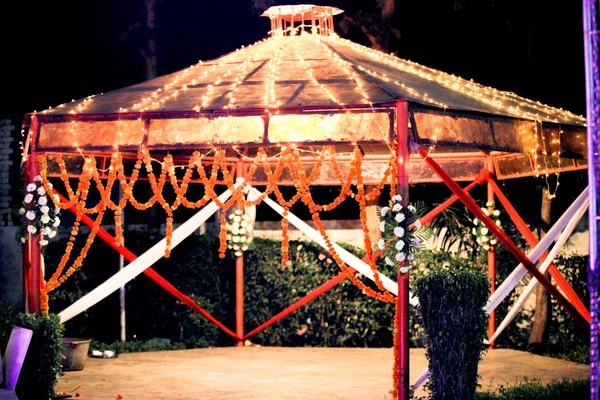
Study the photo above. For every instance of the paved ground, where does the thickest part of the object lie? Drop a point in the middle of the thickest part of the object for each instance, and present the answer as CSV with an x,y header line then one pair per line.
x,y
269,373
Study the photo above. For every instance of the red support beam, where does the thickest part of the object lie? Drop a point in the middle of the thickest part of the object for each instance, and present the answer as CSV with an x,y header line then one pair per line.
x,y
300,303
427,218
239,274
503,238
402,301
491,254
562,283
33,257
150,273
239,300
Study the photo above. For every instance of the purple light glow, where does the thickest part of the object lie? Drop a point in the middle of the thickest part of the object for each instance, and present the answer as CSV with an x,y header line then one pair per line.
x,y
591,32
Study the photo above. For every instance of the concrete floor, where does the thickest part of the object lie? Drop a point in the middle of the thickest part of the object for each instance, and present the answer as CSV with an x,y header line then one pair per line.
x,y
269,373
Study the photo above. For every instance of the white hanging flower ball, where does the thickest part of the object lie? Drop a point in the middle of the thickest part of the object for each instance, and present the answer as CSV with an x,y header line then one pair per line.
x,y
56,198
489,204
31,229
484,239
418,224
399,231
45,218
242,239
381,244
404,270
236,247
244,248
30,215
474,231
382,226
56,222
235,239
31,187
486,211
37,178
400,257
400,217
493,242
45,209
41,191
496,213
384,211
397,207
411,257
416,242
412,209
399,245
42,201
28,198
56,210
46,231
389,261
43,242
52,234
475,221
397,198
498,223
22,240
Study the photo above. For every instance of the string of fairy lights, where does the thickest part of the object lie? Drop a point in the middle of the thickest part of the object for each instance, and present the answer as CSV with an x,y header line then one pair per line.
x,y
272,51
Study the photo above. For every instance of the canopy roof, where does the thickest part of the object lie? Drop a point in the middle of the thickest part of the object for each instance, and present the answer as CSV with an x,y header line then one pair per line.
x,y
308,88
306,71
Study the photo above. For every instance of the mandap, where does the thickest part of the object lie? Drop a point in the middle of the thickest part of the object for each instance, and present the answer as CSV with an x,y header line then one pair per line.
x,y
300,108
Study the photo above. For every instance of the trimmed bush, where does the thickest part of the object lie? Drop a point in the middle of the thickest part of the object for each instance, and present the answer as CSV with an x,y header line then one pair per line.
x,y
451,307
43,361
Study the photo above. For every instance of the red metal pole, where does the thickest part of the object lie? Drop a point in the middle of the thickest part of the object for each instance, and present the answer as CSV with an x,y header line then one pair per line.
x,y
491,258
503,238
33,257
239,300
239,272
402,303
150,273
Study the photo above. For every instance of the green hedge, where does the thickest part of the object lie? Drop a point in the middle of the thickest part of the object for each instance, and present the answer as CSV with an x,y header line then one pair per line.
x,y
43,361
534,390
451,305
342,317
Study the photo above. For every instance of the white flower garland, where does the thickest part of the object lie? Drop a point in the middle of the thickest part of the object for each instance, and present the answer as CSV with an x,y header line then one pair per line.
x,y
39,217
482,234
239,232
398,244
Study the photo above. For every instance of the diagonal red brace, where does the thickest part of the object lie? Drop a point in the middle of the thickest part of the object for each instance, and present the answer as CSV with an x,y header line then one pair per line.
x,y
532,241
502,237
331,283
162,282
427,218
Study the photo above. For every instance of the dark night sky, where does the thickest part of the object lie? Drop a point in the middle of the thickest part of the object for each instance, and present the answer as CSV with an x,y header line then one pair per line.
x,y
54,51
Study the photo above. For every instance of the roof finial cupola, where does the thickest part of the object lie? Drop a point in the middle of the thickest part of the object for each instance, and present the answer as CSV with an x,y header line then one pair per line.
x,y
291,20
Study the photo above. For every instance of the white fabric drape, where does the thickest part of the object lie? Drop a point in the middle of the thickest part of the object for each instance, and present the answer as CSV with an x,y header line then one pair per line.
x,y
350,259
560,242
141,263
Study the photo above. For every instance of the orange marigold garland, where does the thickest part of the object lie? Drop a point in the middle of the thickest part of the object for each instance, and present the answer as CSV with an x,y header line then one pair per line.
x,y
289,158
